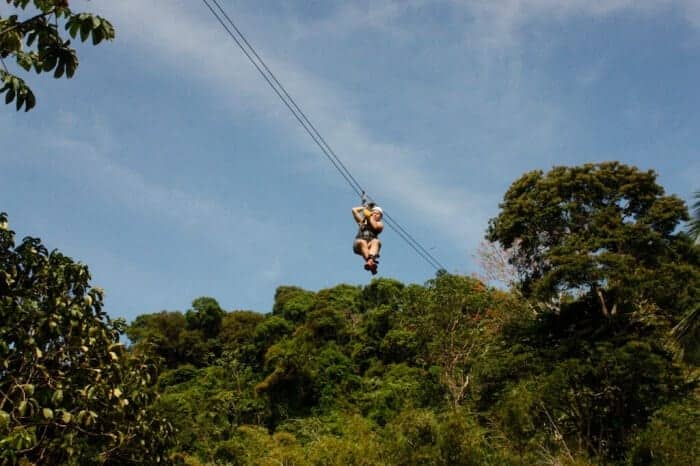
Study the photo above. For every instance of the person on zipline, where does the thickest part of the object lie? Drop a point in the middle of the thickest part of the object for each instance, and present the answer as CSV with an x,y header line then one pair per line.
x,y
367,244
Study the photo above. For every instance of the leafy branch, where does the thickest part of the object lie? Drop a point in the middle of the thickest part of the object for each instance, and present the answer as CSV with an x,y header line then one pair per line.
x,y
37,43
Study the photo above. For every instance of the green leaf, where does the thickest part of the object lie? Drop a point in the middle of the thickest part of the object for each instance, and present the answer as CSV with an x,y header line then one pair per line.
x,y
31,37
22,407
10,96
108,29
49,62
47,413
85,30
25,60
31,101
73,27
97,36
60,69
11,42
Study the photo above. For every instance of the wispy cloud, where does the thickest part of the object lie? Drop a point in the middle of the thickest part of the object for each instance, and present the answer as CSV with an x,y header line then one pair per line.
x,y
89,163
500,23
175,36
187,39
488,23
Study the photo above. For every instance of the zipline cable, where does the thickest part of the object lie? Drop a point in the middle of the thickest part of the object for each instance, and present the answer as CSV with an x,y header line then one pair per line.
x,y
290,98
302,119
411,241
418,249
312,131
299,119
406,236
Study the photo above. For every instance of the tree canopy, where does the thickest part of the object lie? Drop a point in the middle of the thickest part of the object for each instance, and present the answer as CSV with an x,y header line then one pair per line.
x,y
591,360
69,390
604,230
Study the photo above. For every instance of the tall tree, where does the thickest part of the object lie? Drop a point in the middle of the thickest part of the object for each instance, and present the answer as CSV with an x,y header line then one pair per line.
x,y
600,244
35,41
68,389
606,231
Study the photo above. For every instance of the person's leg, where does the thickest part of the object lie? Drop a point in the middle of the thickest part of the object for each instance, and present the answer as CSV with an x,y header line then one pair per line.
x,y
361,248
373,253
374,246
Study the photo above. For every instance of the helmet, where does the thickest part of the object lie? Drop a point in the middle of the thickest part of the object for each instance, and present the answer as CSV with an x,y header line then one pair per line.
x,y
377,209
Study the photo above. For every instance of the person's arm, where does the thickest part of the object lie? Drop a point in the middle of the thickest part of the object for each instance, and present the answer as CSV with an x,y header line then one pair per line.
x,y
359,214
377,225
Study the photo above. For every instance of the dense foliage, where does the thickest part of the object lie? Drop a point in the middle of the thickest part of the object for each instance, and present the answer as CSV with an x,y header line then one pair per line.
x,y
590,359
69,391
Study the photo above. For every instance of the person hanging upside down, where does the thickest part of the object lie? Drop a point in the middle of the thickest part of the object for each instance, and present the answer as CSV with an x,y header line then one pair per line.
x,y
367,242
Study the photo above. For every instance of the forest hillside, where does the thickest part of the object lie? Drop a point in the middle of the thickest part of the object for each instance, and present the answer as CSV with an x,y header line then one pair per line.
x,y
588,357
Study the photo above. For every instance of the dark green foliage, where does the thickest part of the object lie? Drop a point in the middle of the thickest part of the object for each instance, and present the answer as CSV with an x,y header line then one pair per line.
x,y
463,441
591,361
36,42
292,303
165,331
205,316
447,373
237,336
267,333
672,436
383,292
399,345
413,438
598,354
391,390
581,230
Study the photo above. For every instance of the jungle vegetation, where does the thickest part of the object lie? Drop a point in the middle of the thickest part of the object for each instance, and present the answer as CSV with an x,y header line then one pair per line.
x,y
589,356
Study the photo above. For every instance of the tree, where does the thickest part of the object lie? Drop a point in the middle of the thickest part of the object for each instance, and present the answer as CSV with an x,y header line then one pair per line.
x,y
600,245
36,42
161,333
694,229
603,230
238,329
69,391
455,315
205,315
292,303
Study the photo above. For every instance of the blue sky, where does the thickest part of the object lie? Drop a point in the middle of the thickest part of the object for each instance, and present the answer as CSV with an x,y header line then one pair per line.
x,y
171,169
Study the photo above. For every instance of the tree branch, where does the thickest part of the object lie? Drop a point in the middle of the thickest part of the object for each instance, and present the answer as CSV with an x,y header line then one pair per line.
x,y
29,21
